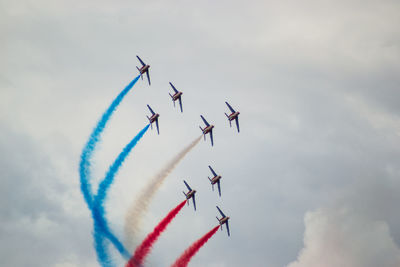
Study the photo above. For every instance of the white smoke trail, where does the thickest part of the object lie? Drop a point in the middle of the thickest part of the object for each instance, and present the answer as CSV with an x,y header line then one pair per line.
x,y
139,207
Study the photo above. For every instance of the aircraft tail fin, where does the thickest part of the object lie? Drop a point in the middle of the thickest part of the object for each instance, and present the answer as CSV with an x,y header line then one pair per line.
x,y
151,124
139,72
203,132
230,123
172,97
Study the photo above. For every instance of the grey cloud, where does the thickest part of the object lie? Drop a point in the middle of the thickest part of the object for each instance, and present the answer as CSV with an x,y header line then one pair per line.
x,y
37,226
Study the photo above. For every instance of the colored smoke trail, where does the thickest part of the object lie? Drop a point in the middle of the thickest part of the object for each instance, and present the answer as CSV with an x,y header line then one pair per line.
x,y
87,152
145,247
101,228
135,213
187,255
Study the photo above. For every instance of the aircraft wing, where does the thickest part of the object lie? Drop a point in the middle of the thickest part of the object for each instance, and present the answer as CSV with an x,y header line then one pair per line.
x,y
188,187
180,103
227,228
150,109
194,201
211,136
237,123
229,106
141,61
173,87
219,187
158,130
222,214
205,122
213,172
148,76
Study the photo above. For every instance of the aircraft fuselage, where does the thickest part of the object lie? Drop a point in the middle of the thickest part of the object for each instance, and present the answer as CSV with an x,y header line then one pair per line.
x,y
215,179
144,69
223,220
176,96
208,129
154,117
233,115
190,194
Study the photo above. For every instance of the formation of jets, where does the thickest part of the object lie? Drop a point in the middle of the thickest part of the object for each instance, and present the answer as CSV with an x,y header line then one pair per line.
x,y
177,95
191,194
208,129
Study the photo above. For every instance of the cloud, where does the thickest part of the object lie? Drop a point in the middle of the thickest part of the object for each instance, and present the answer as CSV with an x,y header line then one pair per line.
x,y
43,222
342,237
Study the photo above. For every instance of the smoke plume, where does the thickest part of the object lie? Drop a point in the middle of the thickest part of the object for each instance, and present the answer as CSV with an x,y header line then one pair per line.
x,y
145,247
88,149
188,254
101,228
137,210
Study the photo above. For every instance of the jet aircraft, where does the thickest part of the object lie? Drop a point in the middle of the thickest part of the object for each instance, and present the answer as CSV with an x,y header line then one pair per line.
x,y
190,195
224,220
153,118
176,96
143,69
207,129
233,116
215,180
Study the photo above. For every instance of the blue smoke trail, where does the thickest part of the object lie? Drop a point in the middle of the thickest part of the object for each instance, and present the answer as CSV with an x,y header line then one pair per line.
x,y
101,226
87,152
84,165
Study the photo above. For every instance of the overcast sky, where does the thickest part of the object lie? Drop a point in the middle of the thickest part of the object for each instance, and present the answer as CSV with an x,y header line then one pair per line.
x,y
312,179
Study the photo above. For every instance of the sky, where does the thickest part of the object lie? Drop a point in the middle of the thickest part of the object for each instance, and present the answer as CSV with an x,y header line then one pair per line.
x,y
312,179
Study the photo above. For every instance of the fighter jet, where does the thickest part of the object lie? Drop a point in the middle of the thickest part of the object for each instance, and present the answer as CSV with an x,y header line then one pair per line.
x,y
233,116
143,69
215,180
207,129
176,96
190,195
153,118
224,220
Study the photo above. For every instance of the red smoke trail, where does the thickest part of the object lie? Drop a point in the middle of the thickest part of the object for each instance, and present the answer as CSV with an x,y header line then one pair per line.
x,y
187,255
144,249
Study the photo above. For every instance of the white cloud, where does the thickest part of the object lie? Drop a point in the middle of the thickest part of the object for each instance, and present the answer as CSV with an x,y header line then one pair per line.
x,y
342,237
